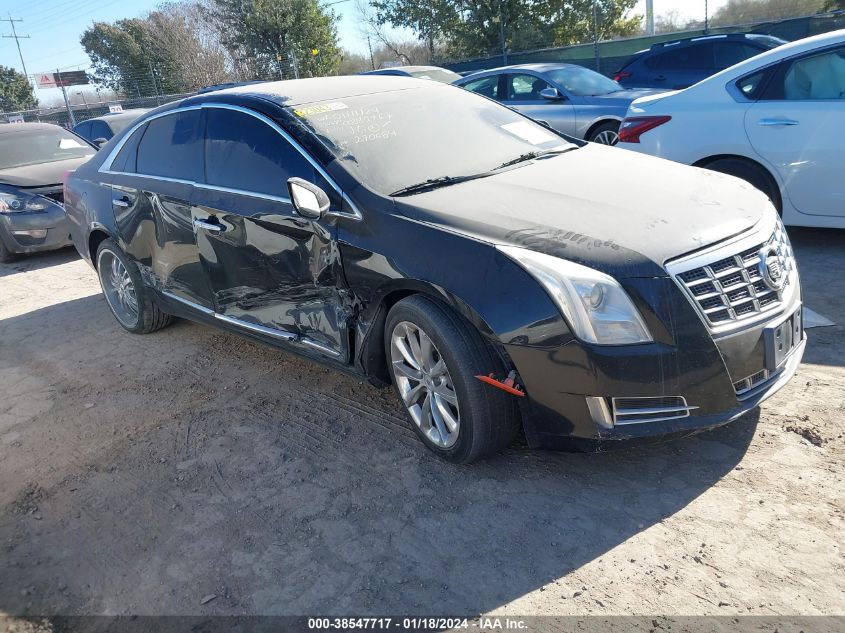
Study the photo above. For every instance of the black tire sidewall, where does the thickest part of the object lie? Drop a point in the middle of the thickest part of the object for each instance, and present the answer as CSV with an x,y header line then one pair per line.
x,y
474,401
612,127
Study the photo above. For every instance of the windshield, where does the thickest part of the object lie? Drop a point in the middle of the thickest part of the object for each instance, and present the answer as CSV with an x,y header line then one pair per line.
x,y
392,140
769,41
583,82
120,123
437,74
32,147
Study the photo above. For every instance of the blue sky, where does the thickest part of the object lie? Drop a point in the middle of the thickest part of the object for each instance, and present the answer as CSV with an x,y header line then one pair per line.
x,y
54,27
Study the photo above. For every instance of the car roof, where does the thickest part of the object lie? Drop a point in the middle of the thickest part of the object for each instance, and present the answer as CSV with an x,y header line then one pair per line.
x,y
11,128
295,92
707,37
132,112
781,52
537,67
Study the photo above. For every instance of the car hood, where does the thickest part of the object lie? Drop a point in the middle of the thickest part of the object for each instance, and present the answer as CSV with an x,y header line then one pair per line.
x,y
40,175
618,211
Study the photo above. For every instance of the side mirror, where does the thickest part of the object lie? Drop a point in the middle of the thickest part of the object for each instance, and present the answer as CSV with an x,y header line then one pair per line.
x,y
99,142
552,94
308,199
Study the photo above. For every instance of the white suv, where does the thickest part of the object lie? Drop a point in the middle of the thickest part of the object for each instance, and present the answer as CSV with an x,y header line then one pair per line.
x,y
776,120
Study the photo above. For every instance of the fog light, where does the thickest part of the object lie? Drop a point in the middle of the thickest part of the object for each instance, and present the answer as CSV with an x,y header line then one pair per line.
x,y
600,412
38,234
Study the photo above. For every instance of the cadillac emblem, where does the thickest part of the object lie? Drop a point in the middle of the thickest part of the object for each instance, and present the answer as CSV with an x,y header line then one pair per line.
x,y
772,267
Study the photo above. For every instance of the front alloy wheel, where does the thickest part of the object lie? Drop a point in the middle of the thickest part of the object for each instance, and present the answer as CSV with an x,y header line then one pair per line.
x,y
434,355
425,385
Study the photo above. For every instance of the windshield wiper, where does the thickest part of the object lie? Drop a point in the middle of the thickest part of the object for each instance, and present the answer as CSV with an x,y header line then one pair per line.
x,y
531,156
433,183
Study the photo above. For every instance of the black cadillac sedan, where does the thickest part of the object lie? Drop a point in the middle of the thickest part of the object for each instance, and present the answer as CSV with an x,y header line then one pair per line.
x,y
475,261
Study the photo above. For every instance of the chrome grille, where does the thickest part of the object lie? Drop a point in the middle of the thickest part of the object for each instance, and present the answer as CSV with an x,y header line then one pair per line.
x,y
732,288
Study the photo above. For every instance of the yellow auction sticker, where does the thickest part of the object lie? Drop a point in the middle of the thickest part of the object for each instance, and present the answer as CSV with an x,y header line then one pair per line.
x,y
320,108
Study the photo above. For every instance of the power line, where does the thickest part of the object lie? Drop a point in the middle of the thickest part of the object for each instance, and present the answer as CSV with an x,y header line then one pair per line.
x,y
18,38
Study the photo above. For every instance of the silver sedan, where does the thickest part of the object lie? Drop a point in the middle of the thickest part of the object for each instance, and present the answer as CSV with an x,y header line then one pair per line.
x,y
568,98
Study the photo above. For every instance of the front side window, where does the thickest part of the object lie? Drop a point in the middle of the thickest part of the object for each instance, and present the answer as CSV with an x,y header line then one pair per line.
x,y
487,86
726,54
393,140
48,144
172,147
525,87
242,152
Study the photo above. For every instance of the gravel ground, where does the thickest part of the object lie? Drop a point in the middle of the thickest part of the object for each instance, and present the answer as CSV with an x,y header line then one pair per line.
x,y
194,472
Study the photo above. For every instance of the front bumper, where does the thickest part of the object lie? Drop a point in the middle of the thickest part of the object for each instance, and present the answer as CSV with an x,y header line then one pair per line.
x,y
16,228
685,362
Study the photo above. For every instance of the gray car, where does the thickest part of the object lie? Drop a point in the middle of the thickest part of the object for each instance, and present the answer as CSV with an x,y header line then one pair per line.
x,y
568,98
34,160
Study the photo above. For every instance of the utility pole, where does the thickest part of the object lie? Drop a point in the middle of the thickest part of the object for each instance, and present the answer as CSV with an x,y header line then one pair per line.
x,y
596,36
706,20
649,17
502,36
61,82
17,39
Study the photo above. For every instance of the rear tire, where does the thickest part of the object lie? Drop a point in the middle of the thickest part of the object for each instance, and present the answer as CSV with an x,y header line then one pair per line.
x,y
755,176
605,134
478,419
128,299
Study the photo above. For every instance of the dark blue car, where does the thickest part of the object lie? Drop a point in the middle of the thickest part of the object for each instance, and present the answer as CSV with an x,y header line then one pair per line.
x,y
682,63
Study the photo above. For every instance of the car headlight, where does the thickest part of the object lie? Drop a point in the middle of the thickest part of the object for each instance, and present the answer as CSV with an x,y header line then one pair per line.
x,y
595,305
12,201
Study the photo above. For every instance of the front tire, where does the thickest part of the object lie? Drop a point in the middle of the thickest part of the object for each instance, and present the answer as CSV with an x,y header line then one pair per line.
x,y
434,355
128,299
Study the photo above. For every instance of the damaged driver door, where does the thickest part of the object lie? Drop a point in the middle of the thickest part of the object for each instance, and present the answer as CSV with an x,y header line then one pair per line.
x,y
271,271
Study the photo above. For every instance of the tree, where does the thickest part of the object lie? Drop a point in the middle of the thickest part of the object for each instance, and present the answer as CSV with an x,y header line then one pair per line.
x,y
752,11
834,5
173,49
482,27
279,38
15,91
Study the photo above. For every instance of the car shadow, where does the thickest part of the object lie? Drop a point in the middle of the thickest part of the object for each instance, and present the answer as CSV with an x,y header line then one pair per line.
x,y
36,261
191,462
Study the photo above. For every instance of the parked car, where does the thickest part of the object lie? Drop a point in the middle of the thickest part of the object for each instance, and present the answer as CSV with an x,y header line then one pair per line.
x,y
568,98
477,261
34,158
777,121
420,72
682,63
98,130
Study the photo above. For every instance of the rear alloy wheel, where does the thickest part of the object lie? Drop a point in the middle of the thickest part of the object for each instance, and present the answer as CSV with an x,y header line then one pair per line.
x,y
605,134
434,355
125,293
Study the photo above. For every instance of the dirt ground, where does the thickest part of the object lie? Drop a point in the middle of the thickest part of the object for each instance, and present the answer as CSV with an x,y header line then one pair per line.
x,y
194,472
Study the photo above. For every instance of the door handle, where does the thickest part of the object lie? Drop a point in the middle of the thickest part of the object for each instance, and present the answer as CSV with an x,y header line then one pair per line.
x,y
124,202
208,226
775,122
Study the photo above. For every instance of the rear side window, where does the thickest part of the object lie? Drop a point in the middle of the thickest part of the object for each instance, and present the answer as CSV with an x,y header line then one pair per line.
x,y
692,57
242,152
726,54
487,86
172,147
126,158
